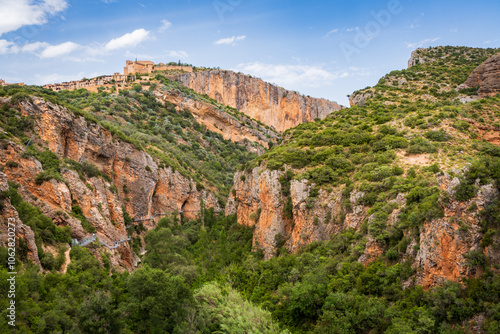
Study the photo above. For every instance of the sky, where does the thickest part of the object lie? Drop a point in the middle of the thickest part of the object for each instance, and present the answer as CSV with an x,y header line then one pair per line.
x,y
324,49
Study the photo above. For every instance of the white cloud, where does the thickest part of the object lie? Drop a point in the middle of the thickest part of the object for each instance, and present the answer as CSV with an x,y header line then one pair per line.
x,y
43,79
422,43
29,47
290,75
41,49
91,52
32,47
165,24
453,30
15,14
230,40
10,47
178,54
352,29
5,46
128,40
62,49
490,41
333,31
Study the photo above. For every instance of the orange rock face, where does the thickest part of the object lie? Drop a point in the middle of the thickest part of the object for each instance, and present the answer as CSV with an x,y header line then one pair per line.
x,y
274,106
140,191
443,243
9,218
259,191
486,77
220,122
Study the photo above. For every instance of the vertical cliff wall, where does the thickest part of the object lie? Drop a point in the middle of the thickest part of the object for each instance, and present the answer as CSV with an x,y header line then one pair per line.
x,y
274,106
136,183
240,131
437,255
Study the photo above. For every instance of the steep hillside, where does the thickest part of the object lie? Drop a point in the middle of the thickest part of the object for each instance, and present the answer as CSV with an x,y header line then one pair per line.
x,y
418,181
128,155
433,75
198,137
485,79
379,218
229,122
274,106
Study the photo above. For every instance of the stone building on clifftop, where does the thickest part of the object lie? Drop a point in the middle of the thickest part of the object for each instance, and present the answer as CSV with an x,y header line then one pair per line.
x,y
147,67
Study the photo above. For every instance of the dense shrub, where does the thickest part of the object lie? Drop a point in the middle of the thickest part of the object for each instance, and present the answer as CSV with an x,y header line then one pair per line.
x,y
440,136
420,145
389,143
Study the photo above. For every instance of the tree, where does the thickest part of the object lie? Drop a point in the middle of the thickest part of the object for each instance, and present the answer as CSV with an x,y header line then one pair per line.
x,y
157,302
164,250
98,315
228,312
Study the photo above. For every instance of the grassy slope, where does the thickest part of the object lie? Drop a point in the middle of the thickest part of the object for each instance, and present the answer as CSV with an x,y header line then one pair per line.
x,y
443,69
373,149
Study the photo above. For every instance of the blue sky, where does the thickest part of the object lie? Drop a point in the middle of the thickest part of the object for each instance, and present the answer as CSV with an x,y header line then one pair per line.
x,y
320,48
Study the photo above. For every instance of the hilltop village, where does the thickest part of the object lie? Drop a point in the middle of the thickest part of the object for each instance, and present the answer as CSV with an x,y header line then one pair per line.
x,y
3,83
130,71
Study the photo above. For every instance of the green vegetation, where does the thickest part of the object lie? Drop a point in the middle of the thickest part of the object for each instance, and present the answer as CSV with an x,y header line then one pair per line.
x,y
76,211
435,79
45,231
208,280
205,276
165,131
13,122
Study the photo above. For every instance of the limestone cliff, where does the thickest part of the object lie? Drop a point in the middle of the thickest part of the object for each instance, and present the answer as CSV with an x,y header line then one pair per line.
x,y
417,58
10,215
486,77
239,131
445,241
259,191
274,106
136,182
437,255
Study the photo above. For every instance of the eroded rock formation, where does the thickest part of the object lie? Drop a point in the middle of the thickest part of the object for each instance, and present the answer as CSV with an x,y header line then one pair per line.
x,y
239,131
443,243
417,58
274,106
136,182
10,215
259,202
486,77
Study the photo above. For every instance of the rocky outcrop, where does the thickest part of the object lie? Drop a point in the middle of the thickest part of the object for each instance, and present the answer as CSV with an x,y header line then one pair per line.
x,y
135,182
10,216
445,242
439,254
417,58
240,131
360,98
274,106
486,77
258,201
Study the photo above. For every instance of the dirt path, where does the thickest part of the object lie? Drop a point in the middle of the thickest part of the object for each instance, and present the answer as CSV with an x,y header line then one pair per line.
x,y
66,262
